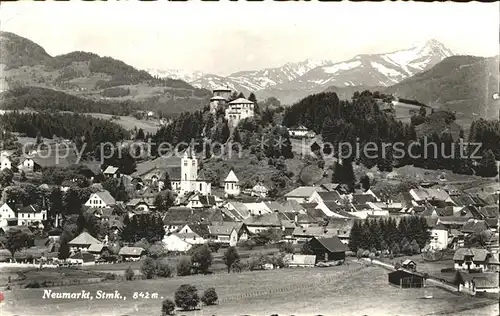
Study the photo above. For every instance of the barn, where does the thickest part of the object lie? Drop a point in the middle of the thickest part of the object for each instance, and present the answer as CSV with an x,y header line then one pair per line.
x,y
406,279
328,249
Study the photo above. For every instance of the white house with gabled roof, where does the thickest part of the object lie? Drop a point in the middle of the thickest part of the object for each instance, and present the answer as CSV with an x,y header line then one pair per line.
x,y
232,184
101,199
5,162
238,110
7,216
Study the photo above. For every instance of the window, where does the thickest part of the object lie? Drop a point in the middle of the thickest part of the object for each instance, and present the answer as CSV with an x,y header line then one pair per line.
x,y
201,186
185,177
185,163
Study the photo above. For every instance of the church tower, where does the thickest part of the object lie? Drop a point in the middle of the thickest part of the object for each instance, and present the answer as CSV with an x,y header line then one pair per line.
x,y
189,171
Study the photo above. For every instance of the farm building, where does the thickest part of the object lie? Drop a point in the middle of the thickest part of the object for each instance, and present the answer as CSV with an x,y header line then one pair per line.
x,y
133,253
83,241
406,279
328,249
473,283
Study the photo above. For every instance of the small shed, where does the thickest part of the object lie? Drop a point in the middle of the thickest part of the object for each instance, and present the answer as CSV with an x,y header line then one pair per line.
x,y
406,279
303,261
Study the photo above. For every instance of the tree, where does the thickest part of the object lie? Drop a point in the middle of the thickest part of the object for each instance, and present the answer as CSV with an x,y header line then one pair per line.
x,y
64,239
487,166
286,247
167,307
6,176
164,200
148,268
230,256
415,248
395,249
17,240
186,297
306,249
202,258
365,182
241,95
209,297
184,267
129,274
167,184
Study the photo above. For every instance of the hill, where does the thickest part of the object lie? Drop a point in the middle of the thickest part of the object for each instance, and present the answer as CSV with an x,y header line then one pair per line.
x,y
461,84
88,75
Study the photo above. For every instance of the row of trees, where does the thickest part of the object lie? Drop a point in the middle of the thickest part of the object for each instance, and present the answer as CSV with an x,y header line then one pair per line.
x,y
386,234
143,226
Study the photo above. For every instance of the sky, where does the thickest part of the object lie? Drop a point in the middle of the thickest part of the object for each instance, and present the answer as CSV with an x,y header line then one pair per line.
x,y
224,37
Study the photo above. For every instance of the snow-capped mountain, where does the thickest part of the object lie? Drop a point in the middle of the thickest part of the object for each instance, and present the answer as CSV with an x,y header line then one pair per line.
x,y
251,81
176,74
372,70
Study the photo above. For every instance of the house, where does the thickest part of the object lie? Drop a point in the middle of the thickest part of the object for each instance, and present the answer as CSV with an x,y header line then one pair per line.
x,y
238,110
406,279
82,258
475,259
409,265
142,204
194,233
362,199
472,283
7,216
328,249
238,209
439,237
306,233
259,190
430,195
99,250
324,197
30,215
101,199
299,261
232,184
228,233
27,164
298,131
259,223
303,193
5,162
474,226
197,201
83,241
341,228
131,253
111,172
179,242
259,208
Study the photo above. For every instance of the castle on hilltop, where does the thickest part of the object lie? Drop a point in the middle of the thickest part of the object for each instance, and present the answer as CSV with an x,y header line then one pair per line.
x,y
234,110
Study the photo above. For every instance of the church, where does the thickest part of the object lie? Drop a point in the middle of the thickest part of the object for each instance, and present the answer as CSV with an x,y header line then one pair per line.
x,y
190,180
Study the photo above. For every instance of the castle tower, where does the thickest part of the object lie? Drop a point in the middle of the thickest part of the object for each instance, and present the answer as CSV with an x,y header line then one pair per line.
x,y
189,170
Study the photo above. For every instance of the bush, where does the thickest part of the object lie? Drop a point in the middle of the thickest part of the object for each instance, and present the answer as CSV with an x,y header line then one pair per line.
x,y
209,297
366,253
167,307
110,276
157,251
214,246
286,247
397,265
33,285
164,270
359,253
256,261
148,268
186,297
129,274
184,267
247,244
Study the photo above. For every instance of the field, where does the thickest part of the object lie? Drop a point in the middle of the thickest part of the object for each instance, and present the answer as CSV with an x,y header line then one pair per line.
x,y
351,289
130,122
